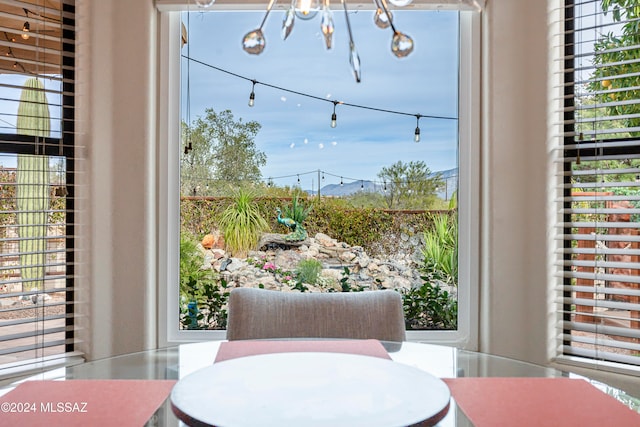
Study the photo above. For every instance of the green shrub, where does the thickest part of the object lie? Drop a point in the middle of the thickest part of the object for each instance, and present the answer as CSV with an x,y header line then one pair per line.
x,y
370,228
242,223
429,307
203,296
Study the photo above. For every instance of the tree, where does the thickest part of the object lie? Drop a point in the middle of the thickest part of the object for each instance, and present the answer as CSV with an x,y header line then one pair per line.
x,y
616,78
222,151
410,185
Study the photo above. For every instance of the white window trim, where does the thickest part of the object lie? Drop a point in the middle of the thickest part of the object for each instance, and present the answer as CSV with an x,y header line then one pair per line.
x,y
466,336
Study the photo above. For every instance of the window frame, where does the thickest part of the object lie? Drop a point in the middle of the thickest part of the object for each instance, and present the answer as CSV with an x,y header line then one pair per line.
x,y
562,133
466,336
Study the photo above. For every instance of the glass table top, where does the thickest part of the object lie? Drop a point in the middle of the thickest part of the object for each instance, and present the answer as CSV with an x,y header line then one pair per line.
x,y
439,361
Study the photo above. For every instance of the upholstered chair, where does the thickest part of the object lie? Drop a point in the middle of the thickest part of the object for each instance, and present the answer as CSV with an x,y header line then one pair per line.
x,y
260,314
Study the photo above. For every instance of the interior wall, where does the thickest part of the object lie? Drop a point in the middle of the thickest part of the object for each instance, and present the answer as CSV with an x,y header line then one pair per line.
x,y
116,121
513,258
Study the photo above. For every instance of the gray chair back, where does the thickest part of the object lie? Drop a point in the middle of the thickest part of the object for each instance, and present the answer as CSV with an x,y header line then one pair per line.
x,y
259,314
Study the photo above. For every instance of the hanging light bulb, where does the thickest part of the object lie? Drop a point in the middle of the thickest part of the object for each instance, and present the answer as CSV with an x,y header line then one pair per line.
x,y
400,3
26,28
416,136
298,179
205,3
334,117
307,9
252,96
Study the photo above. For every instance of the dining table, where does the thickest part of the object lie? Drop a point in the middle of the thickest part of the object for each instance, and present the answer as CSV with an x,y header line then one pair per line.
x,y
316,383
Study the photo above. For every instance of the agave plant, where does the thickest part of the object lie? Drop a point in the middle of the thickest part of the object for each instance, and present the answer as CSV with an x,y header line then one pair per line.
x,y
440,252
297,211
242,224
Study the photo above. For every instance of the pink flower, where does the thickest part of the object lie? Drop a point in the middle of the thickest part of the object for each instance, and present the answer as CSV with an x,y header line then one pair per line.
x,y
269,266
287,278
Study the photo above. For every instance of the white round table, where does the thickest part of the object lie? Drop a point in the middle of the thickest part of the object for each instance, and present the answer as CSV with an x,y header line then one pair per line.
x,y
310,390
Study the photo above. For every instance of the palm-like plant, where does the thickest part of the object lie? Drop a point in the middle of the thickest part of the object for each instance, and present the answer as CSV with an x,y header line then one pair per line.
x,y
242,223
440,252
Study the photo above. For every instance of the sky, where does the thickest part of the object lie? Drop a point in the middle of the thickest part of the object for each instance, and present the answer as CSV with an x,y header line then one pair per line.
x,y
296,134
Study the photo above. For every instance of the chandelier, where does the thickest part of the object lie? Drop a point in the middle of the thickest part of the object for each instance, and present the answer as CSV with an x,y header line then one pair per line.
x,y
401,44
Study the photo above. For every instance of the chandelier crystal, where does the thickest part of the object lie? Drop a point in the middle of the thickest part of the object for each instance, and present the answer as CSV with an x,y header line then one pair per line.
x,y
401,44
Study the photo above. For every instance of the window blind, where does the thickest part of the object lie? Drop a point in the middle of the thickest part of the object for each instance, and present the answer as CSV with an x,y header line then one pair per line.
x,y
598,292
37,166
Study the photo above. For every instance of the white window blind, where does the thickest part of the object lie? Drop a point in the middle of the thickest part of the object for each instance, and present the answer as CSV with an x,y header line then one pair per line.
x,y
36,183
598,296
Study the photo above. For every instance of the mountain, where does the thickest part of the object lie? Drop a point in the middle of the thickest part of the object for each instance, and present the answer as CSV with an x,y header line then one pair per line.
x,y
449,176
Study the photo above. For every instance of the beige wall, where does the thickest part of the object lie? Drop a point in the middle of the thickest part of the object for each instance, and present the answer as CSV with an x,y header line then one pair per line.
x,y
513,311
116,125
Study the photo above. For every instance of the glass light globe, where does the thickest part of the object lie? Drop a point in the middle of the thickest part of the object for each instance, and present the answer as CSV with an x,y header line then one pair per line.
x,y
254,42
400,3
205,3
307,9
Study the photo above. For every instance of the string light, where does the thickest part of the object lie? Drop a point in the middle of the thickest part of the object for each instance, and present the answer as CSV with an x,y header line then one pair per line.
x,y
318,98
383,184
17,64
252,96
416,136
25,30
334,117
